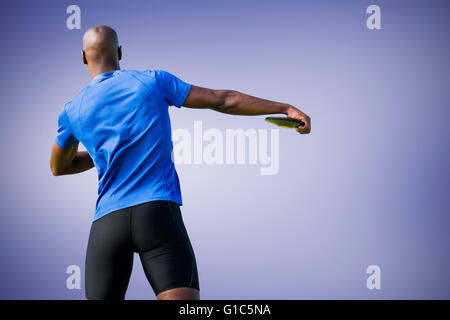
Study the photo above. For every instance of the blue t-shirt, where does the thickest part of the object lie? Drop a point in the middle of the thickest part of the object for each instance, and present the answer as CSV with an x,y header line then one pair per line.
x,y
122,119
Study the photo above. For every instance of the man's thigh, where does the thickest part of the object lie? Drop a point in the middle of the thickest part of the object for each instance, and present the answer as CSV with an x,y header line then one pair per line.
x,y
109,258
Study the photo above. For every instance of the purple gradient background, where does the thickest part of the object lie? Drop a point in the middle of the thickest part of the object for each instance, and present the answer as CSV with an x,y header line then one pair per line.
x,y
369,186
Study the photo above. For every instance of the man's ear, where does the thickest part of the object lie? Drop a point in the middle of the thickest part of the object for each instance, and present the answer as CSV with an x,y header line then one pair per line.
x,y
83,54
119,53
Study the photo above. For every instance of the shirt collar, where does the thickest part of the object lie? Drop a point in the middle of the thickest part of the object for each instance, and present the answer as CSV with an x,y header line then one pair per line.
x,y
102,76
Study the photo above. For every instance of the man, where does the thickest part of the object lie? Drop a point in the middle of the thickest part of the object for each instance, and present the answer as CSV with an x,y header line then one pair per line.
x,y
122,119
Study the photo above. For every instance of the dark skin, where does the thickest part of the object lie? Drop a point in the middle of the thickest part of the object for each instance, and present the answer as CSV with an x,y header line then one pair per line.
x,y
101,54
69,160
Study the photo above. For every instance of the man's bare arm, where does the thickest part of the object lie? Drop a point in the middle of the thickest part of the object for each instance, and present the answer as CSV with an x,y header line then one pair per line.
x,y
69,160
236,103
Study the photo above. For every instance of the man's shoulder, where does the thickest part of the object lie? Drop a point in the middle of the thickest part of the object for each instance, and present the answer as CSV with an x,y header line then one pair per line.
x,y
76,101
148,76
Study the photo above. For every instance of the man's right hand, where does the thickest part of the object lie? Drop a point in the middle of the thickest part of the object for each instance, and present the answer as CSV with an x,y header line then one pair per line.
x,y
293,112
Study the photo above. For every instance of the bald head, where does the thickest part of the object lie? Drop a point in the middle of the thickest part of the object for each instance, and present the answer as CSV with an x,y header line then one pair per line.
x,y
101,47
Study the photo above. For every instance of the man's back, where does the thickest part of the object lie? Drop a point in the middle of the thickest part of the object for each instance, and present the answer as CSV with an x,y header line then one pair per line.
x,y
122,119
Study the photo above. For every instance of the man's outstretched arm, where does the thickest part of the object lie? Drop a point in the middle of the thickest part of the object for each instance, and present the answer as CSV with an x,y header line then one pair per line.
x,y
69,160
236,103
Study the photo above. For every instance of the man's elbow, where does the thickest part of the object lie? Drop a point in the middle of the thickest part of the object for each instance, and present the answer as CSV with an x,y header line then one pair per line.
x,y
56,170
56,173
230,101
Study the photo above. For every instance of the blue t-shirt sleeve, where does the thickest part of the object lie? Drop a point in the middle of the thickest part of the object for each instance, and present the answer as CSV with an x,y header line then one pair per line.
x,y
173,89
64,137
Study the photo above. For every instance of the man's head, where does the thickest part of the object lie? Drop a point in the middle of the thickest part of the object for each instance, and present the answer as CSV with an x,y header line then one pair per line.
x,y
101,48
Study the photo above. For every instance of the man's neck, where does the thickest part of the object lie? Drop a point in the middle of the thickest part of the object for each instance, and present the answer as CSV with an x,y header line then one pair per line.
x,y
96,70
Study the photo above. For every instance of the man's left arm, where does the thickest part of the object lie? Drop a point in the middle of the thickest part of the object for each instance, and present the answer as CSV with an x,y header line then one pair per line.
x,y
69,160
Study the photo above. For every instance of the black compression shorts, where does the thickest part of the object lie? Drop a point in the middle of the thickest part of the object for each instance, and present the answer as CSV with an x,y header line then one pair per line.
x,y
156,231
